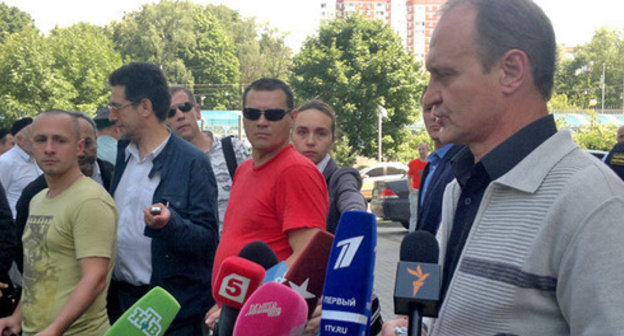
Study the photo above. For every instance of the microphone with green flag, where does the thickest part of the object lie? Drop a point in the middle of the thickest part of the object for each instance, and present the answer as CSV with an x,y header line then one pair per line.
x,y
149,316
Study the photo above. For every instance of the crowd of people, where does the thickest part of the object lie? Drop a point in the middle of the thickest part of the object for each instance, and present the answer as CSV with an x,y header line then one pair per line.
x,y
96,212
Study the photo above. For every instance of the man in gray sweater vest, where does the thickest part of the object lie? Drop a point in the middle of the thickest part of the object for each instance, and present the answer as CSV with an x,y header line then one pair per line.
x,y
531,233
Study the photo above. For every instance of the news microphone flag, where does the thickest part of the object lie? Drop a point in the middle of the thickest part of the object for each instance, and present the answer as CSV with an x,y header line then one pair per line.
x,y
276,273
272,310
417,286
307,274
236,279
151,315
346,307
418,275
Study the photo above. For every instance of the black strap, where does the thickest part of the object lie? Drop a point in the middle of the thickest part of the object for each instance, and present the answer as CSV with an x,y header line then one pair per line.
x,y
228,152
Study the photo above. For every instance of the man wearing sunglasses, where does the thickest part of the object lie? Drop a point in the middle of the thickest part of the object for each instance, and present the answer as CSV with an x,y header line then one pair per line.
x,y
225,153
167,199
279,196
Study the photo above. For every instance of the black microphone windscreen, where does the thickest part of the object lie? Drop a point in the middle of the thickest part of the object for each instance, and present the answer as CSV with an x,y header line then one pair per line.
x,y
420,246
260,253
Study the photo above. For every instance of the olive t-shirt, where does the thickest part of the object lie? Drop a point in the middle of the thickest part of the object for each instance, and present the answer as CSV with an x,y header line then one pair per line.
x,y
80,222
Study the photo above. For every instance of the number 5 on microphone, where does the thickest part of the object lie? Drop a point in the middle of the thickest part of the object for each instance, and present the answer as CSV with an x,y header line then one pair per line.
x,y
234,287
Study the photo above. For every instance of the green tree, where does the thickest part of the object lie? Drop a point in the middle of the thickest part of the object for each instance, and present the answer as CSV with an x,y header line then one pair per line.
x,y
343,152
357,65
186,42
13,20
212,60
579,78
260,50
595,135
85,56
29,80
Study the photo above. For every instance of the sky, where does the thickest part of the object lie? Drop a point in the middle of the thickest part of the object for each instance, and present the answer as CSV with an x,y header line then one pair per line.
x,y
574,20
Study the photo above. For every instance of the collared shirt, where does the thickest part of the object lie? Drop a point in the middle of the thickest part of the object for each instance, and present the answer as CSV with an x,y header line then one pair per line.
x,y
434,159
107,148
474,178
17,170
133,194
97,174
323,163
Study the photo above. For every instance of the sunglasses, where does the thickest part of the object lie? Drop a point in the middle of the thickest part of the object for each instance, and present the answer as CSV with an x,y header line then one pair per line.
x,y
270,114
184,107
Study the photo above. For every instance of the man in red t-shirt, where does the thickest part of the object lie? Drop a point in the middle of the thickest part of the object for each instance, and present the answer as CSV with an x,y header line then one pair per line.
x,y
279,196
414,174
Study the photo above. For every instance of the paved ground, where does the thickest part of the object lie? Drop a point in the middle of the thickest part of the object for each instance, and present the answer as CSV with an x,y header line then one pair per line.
x,y
389,237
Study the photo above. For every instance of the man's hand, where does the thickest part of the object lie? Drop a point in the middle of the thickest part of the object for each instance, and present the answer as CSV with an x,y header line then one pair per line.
x,y
159,221
313,326
389,327
212,316
11,325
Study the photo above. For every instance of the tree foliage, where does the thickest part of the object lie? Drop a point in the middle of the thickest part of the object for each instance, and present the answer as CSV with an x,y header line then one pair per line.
x,y
13,20
579,77
29,80
85,56
261,50
186,42
357,65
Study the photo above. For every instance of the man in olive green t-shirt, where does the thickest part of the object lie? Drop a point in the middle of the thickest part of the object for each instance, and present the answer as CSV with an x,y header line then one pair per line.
x,y
69,240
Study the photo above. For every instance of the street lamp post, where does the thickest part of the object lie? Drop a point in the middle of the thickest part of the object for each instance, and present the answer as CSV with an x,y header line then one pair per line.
x,y
603,86
381,113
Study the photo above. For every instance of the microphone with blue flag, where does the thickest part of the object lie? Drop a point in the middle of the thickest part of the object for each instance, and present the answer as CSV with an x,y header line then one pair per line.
x,y
346,307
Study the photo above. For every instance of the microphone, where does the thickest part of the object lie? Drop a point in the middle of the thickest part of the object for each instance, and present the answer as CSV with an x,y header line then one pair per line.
x,y
417,287
349,281
307,274
260,253
150,315
272,310
236,280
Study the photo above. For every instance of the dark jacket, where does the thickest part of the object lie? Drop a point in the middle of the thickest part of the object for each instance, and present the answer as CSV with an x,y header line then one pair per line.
x,y
32,189
183,250
8,243
429,213
343,184
615,159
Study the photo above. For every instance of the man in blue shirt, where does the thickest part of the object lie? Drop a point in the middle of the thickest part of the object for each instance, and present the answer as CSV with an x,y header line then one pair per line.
x,y
436,176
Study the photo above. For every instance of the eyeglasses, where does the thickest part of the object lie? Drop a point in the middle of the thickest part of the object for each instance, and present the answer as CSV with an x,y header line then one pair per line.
x,y
270,114
184,107
119,108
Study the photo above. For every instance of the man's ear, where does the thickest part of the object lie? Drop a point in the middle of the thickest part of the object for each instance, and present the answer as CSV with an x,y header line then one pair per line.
x,y
145,107
198,112
515,70
293,115
80,147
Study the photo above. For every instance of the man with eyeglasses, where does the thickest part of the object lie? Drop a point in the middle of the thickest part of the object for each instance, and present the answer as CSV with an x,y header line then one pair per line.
x,y
167,198
225,154
279,196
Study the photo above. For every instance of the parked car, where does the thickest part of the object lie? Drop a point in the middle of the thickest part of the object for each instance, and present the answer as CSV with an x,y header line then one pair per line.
x,y
384,171
390,200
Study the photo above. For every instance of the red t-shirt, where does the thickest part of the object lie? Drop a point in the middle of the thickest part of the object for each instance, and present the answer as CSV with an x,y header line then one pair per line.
x,y
416,168
287,192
